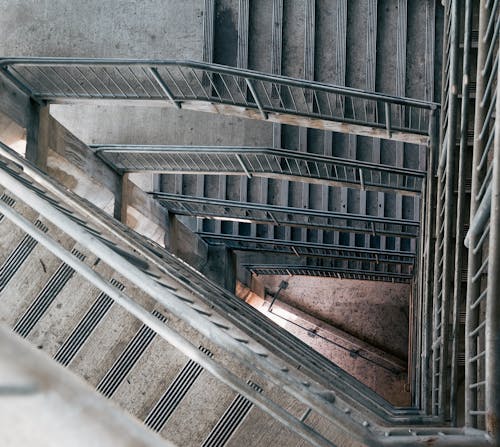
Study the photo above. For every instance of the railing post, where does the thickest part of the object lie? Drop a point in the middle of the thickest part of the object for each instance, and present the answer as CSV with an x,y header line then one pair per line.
x,y
256,97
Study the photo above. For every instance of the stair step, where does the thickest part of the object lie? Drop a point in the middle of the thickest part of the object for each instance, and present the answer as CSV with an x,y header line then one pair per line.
x,y
125,362
85,326
166,405
44,299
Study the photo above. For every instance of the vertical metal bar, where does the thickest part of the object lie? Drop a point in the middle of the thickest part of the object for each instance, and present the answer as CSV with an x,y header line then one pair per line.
x,y
448,258
460,218
429,256
492,330
473,288
243,166
387,119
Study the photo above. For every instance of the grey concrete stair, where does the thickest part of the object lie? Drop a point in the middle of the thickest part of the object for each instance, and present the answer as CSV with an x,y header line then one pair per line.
x,y
307,39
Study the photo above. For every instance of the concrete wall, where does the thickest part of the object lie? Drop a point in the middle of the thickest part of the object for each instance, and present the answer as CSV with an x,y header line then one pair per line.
x,y
376,312
146,29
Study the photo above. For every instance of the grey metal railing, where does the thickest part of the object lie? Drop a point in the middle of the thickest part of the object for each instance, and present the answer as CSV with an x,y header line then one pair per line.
x,y
445,217
327,272
463,184
261,162
161,289
361,257
279,215
482,369
216,88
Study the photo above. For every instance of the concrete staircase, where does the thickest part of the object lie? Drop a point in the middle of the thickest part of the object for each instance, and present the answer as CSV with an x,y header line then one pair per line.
x,y
192,361
385,48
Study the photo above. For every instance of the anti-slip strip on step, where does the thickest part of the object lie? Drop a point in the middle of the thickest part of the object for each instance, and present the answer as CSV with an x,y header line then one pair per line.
x,y
163,409
230,420
128,358
45,298
12,264
7,200
86,326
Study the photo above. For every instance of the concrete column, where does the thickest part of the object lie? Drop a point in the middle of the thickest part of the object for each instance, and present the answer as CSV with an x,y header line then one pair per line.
x,y
37,135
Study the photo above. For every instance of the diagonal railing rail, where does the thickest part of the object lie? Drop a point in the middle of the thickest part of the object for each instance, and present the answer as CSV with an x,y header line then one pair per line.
x,y
218,89
261,162
326,272
360,255
280,215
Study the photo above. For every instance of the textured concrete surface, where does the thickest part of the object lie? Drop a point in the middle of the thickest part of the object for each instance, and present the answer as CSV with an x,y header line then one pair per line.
x,y
373,312
382,372
150,29
376,312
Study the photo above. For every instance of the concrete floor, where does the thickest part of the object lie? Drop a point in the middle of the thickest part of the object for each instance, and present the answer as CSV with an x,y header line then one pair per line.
x,y
373,312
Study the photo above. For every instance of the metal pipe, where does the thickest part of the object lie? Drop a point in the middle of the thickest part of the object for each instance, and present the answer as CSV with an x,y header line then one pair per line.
x,y
257,99
480,219
238,157
168,334
164,87
449,215
429,256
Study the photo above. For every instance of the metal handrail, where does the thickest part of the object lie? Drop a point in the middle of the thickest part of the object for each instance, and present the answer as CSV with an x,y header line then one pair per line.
x,y
280,215
329,272
184,84
311,249
261,161
482,400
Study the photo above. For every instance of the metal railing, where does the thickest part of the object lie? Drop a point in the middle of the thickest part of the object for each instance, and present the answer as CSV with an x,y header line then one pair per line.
x,y
326,272
166,292
442,294
355,257
261,162
280,215
216,88
482,369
